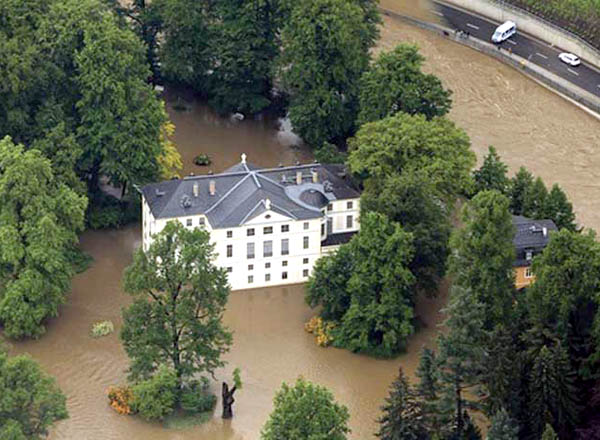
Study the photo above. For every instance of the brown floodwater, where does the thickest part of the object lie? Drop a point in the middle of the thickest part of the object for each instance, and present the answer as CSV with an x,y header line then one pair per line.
x,y
528,124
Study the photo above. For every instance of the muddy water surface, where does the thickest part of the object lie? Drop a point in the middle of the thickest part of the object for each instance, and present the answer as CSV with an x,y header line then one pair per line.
x,y
495,104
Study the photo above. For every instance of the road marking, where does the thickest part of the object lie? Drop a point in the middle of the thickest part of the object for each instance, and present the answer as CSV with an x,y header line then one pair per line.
x,y
512,42
472,26
437,13
541,55
573,72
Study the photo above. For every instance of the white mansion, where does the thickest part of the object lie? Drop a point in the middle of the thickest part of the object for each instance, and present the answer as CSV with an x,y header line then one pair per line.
x,y
269,226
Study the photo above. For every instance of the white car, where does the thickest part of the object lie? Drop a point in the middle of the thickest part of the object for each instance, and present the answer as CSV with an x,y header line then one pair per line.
x,y
570,59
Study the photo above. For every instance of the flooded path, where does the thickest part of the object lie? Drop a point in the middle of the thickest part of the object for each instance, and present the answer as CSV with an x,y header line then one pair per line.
x,y
528,124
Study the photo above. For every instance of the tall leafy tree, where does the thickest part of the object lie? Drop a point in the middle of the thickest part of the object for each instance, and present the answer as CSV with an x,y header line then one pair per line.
x,y
492,174
246,45
503,427
483,255
179,300
306,411
519,186
402,415
460,357
558,208
39,220
379,319
366,287
410,199
395,83
405,142
30,400
325,50
121,117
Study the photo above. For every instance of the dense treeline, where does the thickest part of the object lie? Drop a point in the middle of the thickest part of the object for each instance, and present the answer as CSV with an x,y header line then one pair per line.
x,y
310,59
76,111
582,17
526,360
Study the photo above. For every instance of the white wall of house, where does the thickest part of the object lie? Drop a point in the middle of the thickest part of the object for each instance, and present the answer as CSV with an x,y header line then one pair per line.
x,y
231,244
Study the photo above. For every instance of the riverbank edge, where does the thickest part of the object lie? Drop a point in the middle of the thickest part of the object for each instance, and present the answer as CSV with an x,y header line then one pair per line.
x,y
532,25
557,84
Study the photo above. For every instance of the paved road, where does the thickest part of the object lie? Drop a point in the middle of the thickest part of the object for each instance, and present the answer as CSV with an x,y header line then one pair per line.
x,y
534,50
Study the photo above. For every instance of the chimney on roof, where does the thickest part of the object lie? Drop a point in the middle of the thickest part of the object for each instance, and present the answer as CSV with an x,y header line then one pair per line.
x,y
268,204
545,231
244,157
298,177
195,188
212,187
315,176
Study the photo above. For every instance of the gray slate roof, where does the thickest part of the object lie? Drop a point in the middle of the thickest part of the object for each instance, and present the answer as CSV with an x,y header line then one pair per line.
x,y
530,237
243,191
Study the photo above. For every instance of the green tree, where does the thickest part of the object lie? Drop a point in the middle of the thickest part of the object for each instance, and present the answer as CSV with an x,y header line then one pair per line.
x,y
380,317
402,415
405,142
411,200
460,358
553,395
492,174
395,83
30,400
328,284
534,199
155,398
179,300
189,29
246,45
306,412
558,208
564,298
484,254
428,390
519,187
325,49
121,117
503,427
39,220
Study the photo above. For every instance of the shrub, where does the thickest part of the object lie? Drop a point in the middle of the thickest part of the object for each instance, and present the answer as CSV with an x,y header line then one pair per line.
x,y
202,160
102,328
323,330
155,398
196,397
120,399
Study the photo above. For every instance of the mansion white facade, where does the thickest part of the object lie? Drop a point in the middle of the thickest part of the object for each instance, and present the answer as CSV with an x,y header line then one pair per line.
x,y
269,226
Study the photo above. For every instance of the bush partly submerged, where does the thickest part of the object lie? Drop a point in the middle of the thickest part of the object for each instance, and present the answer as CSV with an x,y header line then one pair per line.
x,y
102,328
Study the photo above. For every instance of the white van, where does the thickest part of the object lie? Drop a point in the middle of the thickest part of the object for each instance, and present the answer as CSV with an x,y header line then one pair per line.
x,y
504,32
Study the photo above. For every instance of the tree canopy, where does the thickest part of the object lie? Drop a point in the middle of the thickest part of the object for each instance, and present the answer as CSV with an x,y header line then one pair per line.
x,y
405,142
395,83
306,411
81,73
483,254
325,51
372,301
30,400
179,300
39,220
492,174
